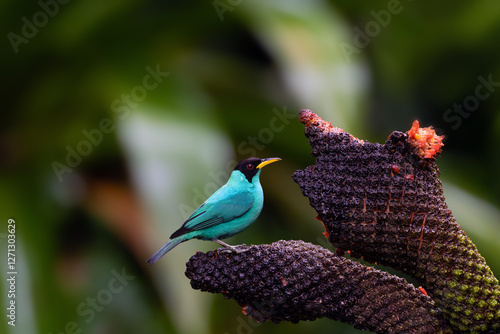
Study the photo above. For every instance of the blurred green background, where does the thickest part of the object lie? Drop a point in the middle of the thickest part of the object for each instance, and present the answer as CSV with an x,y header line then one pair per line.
x,y
122,116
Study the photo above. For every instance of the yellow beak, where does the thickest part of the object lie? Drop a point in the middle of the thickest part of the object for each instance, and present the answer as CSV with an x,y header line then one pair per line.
x,y
266,162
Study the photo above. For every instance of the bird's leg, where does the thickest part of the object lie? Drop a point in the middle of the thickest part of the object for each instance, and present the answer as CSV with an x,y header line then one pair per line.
x,y
232,248
222,243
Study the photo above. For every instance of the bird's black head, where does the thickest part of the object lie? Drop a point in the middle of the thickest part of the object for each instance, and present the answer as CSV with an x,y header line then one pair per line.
x,y
251,166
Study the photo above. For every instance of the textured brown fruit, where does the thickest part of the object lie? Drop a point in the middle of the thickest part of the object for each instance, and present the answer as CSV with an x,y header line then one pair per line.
x,y
294,281
385,203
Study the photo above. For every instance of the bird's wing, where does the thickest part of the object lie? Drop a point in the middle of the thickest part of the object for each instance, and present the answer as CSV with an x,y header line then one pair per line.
x,y
223,206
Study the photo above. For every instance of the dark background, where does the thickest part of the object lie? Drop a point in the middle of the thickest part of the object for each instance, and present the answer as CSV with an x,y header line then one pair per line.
x,y
100,163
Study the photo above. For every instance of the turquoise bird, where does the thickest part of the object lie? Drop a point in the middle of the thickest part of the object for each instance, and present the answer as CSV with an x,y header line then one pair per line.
x,y
229,210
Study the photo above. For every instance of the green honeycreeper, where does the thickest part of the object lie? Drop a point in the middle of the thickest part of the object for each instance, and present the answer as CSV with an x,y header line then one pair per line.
x,y
229,210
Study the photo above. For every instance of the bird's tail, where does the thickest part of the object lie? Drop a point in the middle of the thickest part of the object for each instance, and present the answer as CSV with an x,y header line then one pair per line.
x,y
164,250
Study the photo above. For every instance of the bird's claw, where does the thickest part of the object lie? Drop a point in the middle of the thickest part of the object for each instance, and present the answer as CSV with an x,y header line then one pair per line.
x,y
235,249
241,248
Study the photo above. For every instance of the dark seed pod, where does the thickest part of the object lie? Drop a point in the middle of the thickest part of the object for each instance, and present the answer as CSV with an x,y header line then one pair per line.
x,y
300,281
385,203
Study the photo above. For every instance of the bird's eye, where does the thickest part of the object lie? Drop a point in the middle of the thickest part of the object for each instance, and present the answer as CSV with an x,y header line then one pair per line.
x,y
249,166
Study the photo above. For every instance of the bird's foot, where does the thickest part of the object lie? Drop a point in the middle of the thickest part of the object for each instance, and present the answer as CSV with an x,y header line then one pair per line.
x,y
237,249
241,248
